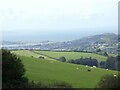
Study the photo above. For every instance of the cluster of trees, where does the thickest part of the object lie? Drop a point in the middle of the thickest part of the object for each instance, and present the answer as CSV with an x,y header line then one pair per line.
x,y
111,63
84,61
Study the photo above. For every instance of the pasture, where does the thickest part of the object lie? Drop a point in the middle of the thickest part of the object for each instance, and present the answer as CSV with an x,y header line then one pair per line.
x,y
49,71
72,55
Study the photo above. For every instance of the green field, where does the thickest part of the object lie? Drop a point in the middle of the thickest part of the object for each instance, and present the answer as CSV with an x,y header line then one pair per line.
x,y
49,71
72,55
29,54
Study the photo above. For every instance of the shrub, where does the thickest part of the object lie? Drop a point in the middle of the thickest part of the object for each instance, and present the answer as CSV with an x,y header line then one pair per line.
x,y
62,59
109,81
56,84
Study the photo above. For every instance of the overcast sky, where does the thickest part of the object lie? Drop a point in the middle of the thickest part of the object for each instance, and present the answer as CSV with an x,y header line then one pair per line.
x,y
25,16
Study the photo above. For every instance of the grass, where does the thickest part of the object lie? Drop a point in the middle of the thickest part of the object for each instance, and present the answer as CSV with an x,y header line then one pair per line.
x,y
51,71
72,55
29,54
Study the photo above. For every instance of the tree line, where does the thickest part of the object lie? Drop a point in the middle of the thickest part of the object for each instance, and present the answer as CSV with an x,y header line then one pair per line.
x,y
111,62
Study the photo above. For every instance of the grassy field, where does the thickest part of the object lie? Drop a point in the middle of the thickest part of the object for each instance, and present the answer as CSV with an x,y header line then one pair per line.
x,y
29,54
72,55
49,71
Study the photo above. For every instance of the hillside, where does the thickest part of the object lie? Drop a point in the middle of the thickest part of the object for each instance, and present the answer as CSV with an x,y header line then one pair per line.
x,y
57,55
71,55
49,71
107,42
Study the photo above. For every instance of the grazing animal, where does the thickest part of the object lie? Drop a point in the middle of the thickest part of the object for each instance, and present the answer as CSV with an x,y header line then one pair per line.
x,y
89,70
115,75
106,69
94,66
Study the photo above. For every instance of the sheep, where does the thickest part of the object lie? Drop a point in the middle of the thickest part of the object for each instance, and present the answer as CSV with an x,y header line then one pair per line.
x,y
115,75
94,66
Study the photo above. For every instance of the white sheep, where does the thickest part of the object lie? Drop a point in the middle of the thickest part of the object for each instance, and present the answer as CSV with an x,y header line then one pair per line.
x,y
115,75
94,66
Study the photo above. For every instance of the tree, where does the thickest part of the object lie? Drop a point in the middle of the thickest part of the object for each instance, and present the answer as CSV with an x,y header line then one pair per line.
x,y
110,63
62,59
105,54
109,81
102,64
98,50
12,71
70,61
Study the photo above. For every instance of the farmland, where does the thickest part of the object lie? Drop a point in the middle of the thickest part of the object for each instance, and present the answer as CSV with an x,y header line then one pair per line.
x,y
57,55
72,55
50,70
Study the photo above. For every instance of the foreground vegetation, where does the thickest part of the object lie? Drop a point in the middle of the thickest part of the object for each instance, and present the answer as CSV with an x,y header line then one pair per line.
x,y
14,71
50,73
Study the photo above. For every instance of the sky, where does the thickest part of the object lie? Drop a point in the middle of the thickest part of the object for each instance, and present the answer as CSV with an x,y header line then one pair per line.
x,y
56,19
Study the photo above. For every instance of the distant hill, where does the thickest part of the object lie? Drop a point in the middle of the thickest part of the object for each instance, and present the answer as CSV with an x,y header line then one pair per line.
x,y
107,42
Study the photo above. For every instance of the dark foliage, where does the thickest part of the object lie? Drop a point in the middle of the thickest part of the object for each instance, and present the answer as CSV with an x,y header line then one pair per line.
x,y
112,63
105,54
57,84
12,71
109,81
102,64
62,59
41,57
84,61
98,50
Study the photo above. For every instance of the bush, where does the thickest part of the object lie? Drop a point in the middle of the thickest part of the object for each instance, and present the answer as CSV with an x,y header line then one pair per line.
x,y
62,59
56,84
109,81
60,84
